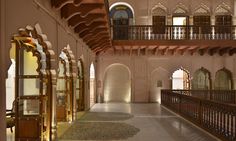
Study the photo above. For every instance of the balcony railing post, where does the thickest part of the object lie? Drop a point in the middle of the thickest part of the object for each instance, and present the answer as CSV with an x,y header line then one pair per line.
x,y
200,112
180,102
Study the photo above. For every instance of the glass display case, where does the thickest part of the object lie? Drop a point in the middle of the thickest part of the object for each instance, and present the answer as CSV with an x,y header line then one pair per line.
x,y
64,88
32,89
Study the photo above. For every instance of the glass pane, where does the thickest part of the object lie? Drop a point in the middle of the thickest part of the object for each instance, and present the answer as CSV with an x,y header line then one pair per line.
x,y
29,107
61,84
61,99
29,86
30,64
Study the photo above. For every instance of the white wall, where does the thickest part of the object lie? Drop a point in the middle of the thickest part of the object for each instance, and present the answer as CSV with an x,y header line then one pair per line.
x,y
159,79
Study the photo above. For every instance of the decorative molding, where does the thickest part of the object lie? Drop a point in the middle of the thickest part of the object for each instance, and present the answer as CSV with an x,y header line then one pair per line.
x,y
223,9
180,9
202,10
159,9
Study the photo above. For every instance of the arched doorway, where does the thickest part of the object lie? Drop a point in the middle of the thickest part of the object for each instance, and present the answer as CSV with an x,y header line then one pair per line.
x,y
92,85
201,22
201,80
180,20
159,80
117,84
80,105
33,104
121,16
223,80
181,79
65,87
223,21
159,13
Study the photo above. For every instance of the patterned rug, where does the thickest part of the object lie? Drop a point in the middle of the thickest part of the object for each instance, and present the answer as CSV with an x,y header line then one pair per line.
x,y
100,126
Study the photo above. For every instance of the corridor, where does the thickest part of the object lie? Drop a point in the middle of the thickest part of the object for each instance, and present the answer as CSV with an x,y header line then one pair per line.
x,y
133,122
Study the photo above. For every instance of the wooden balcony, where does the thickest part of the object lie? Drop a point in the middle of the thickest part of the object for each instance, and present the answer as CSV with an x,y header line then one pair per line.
x,y
171,32
174,39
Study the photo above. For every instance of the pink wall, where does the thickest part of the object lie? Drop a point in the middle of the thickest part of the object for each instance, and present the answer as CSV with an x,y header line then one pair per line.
x,y
142,68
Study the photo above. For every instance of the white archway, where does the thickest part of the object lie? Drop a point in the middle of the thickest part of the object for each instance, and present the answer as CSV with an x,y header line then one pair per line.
x,y
181,79
159,80
117,83
122,3
92,85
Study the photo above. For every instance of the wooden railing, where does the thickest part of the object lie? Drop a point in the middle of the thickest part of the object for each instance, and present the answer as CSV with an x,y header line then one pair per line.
x,y
225,96
170,32
216,117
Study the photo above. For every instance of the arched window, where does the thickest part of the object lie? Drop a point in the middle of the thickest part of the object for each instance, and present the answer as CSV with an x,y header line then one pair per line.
x,y
121,16
180,79
223,80
201,80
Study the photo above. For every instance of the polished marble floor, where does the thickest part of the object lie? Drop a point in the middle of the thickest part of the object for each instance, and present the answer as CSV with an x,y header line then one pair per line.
x,y
155,122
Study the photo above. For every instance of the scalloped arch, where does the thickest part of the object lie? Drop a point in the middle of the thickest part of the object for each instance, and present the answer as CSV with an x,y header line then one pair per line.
x,y
159,9
223,8
202,9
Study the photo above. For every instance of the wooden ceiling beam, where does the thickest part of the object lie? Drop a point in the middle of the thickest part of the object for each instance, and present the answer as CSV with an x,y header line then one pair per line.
x,y
77,19
105,42
224,50
89,20
164,50
96,36
123,49
156,50
193,50
91,28
130,51
213,50
146,50
139,51
58,4
232,51
70,10
88,33
100,39
104,48
174,50
88,23
183,49
94,44
202,50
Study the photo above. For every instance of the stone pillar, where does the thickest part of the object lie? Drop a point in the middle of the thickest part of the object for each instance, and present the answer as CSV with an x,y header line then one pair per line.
x,y
3,73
